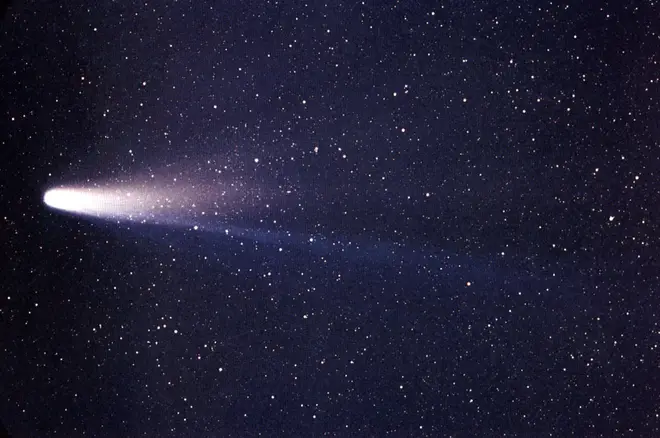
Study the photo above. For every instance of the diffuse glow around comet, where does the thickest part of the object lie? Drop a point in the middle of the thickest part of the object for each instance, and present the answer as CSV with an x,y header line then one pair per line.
x,y
230,200
107,203
195,206
187,194
217,202
128,203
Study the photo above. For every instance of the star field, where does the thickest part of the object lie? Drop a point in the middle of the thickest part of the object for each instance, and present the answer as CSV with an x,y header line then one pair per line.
x,y
398,218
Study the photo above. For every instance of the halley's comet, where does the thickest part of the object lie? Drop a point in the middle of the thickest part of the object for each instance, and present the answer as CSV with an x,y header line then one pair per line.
x,y
200,206
210,197
181,204
181,194
225,208
104,203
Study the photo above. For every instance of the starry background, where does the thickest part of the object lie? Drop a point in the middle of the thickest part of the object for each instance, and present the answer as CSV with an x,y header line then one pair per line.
x,y
478,182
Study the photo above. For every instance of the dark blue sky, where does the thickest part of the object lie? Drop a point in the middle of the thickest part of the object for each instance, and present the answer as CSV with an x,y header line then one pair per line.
x,y
478,181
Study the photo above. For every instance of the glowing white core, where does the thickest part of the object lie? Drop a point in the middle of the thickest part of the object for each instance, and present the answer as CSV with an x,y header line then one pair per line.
x,y
107,203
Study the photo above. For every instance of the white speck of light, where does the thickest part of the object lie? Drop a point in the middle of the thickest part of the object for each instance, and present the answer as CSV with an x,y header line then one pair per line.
x,y
611,218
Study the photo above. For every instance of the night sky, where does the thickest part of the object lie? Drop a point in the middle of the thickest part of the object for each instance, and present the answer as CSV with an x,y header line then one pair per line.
x,y
443,219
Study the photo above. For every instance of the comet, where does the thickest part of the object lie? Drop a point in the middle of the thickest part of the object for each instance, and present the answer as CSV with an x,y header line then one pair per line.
x,y
179,203
215,195
182,193
202,207
103,203
216,202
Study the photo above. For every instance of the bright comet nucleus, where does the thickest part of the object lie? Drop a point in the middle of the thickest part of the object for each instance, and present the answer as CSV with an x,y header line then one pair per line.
x,y
107,203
